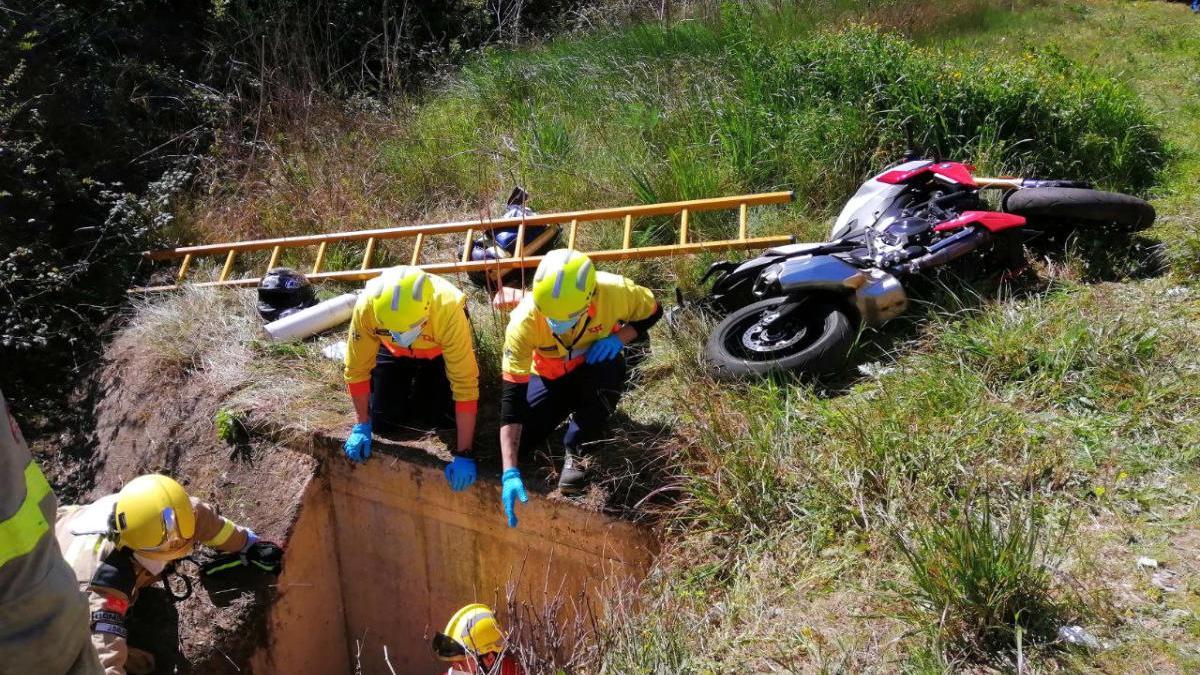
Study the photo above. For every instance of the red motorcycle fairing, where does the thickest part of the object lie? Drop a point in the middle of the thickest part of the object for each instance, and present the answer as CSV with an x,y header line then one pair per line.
x,y
955,172
994,221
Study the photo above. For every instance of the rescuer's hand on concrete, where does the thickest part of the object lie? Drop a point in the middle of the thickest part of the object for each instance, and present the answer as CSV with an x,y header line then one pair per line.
x,y
605,349
460,473
358,445
513,490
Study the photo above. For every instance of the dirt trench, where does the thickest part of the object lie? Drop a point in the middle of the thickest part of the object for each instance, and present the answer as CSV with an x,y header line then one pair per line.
x,y
377,555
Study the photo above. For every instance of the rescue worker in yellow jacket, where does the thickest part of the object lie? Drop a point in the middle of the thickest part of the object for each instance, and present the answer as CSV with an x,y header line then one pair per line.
x,y
410,361
563,359
124,542
43,616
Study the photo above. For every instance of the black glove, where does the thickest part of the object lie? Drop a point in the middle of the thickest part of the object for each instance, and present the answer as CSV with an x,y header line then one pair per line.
x,y
261,555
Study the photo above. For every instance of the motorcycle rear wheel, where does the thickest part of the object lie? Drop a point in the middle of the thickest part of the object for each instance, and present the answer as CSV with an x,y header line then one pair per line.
x,y
1054,205
814,339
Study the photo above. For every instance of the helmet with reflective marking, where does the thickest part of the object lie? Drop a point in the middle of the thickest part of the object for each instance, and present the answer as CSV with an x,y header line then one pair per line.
x,y
475,629
401,297
563,284
153,516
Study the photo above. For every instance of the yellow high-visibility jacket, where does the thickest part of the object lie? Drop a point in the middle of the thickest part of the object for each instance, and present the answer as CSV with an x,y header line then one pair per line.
x,y
530,347
447,333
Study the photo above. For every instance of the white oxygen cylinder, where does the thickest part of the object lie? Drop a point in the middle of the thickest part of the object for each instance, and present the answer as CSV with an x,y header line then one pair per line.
x,y
313,320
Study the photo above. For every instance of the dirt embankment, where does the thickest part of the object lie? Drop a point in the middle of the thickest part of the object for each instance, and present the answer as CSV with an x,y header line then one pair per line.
x,y
151,419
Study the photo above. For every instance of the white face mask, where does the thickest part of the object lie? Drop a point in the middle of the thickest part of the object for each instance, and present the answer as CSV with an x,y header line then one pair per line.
x,y
562,327
408,337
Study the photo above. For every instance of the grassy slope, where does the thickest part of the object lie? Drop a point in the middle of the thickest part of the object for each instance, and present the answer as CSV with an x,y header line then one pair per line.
x,y
1085,396
1078,398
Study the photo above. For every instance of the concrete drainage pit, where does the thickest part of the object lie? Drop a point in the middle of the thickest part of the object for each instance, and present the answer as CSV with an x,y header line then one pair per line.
x,y
383,554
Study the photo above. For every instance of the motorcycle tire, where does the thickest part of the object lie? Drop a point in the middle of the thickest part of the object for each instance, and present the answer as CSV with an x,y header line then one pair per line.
x,y
1048,205
827,333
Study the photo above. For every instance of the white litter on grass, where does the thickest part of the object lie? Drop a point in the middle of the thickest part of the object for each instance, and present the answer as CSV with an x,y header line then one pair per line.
x,y
875,369
1076,635
1164,581
335,351
1178,292
1147,563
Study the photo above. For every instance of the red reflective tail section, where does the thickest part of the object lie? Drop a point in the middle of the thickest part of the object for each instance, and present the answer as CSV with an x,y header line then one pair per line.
x,y
994,221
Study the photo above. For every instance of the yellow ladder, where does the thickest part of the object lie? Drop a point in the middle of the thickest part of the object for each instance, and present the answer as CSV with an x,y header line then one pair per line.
x,y
519,259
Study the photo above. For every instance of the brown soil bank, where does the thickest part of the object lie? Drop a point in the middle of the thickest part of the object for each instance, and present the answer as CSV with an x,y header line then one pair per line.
x,y
378,555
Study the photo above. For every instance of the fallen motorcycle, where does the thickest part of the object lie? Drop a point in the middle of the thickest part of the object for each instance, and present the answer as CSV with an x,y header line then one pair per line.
x,y
799,307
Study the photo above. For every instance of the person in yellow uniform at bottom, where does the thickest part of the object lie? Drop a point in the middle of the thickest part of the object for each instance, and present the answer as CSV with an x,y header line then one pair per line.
x,y
43,616
410,361
124,542
474,643
563,359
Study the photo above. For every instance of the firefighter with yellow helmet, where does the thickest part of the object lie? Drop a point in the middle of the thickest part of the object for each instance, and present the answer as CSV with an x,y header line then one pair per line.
x,y
474,643
563,360
124,542
410,362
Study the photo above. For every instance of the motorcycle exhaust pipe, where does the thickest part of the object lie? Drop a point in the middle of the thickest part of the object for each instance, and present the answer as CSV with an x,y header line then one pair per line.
x,y
950,249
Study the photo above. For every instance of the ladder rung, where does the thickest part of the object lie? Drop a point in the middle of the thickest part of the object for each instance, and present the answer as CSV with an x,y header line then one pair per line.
x,y
683,227
742,221
467,245
520,252
368,254
628,238
416,255
228,265
320,257
571,236
183,268
274,258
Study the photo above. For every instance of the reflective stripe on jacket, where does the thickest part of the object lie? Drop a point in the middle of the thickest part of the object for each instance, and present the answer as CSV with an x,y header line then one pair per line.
x,y
447,333
530,347
43,616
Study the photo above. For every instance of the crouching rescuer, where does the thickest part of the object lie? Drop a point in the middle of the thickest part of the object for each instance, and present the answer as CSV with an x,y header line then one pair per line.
x,y
410,362
564,360
124,542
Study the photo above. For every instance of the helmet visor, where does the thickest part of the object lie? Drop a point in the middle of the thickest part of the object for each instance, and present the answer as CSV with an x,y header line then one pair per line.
x,y
447,648
171,540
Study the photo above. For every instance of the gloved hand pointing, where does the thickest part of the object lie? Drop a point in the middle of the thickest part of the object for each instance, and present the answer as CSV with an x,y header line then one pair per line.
x,y
460,473
513,490
605,349
358,445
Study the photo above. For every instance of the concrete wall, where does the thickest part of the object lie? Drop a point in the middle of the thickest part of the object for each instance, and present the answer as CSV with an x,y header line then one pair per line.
x,y
388,554
306,627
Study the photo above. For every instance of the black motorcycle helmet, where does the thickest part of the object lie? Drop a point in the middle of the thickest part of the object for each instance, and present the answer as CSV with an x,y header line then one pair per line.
x,y
283,291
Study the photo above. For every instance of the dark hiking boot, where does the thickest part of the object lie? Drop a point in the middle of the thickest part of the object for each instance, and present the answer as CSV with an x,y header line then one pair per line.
x,y
574,478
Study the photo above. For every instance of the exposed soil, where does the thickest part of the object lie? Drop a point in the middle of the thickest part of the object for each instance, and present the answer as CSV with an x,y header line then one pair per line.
x,y
147,420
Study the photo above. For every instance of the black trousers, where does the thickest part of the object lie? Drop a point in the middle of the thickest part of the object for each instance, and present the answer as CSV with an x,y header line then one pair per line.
x,y
587,395
408,393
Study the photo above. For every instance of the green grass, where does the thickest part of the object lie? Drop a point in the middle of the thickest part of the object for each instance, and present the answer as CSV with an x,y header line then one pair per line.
x,y
1065,396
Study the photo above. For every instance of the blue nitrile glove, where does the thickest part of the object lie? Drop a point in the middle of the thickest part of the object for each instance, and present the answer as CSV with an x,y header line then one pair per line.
x,y
605,349
514,489
358,446
460,473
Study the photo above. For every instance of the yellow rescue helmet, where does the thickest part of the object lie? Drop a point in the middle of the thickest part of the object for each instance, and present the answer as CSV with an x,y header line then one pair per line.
x,y
401,297
476,629
153,516
563,284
